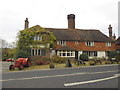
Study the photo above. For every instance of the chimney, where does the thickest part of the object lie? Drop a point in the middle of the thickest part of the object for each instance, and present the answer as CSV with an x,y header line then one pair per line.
x,y
110,31
114,37
71,21
26,24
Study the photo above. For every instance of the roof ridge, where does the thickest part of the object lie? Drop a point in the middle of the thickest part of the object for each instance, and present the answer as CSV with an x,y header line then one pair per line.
x,y
73,29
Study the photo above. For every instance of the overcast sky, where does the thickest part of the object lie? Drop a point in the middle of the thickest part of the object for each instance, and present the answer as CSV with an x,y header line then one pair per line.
x,y
90,14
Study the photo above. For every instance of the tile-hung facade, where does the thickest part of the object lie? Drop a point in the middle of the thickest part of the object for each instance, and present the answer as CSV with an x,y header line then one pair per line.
x,y
71,42
118,44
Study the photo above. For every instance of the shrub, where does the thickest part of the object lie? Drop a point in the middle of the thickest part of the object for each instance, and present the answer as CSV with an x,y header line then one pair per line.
x,y
84,57
41,62
92,62
118,57
57,59
52,65
112,54
20,53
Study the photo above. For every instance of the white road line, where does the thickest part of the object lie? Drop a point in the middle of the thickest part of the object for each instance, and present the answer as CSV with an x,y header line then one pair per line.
x,y
35,77
91,81
43,77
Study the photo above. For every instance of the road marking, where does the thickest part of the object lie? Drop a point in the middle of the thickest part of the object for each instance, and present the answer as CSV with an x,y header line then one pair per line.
x,y
44,77
36,77
91,81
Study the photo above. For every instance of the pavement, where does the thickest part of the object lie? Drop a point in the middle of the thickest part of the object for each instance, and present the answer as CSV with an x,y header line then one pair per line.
x,y
5,66
81,77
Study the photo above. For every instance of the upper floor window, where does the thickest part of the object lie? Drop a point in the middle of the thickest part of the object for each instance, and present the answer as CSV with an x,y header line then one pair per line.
x,y
108,44
37,38
61,43
88,43
76,43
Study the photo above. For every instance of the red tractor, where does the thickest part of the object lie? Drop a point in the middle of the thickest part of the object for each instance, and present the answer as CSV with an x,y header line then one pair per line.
x,y
20,63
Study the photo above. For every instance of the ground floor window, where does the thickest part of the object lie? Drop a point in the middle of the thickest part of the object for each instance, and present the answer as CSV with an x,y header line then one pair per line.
x,y
91,53
38,52
66,53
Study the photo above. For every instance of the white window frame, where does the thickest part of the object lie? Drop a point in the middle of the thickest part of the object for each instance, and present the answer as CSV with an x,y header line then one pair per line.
x,y
76,43
61,53
37,38
35,52
61,43
89,43
108,44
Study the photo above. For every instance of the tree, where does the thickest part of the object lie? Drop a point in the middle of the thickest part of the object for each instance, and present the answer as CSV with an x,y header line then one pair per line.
x,y
3,43
26,39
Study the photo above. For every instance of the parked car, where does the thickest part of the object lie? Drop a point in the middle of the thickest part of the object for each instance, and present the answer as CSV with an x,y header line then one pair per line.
x,y
10,59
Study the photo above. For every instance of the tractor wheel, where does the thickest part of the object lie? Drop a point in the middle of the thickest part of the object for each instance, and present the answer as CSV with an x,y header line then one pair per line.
x,y
28,63
11,67
21,67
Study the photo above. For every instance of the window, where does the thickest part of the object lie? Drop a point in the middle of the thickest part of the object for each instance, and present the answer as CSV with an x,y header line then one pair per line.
x,y
37,38
38,52
90,53
108,44
61,43
66,53
88,43
76,43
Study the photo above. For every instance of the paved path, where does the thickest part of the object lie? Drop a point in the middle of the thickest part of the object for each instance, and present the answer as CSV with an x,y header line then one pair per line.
x,y
81,77
5,66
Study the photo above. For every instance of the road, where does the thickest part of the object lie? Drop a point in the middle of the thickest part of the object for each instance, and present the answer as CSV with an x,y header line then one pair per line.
x,y
81,77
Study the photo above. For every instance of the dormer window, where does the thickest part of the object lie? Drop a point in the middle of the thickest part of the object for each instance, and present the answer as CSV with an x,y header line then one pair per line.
x,y
89,43
108,44
61,43
37,38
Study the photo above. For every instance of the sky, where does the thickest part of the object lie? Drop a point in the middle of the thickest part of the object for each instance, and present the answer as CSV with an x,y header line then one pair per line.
x,y
90,14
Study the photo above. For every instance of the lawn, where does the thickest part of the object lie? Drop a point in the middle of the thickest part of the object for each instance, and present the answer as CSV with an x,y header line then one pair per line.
x,y
57,66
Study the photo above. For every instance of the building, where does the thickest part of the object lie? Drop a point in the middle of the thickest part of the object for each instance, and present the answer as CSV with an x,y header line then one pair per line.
x,y
72,42
118,44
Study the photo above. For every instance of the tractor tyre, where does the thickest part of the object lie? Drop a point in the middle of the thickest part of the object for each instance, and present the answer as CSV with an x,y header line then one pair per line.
x,y
21,66
28,64
11,67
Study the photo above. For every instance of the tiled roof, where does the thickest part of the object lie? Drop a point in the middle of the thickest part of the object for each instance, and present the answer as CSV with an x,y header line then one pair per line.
x,y
118,41
65,48
79,35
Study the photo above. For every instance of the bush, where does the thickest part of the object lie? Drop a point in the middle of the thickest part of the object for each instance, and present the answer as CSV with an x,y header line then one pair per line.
x,y
58,59
112,54
41,62
92,62
20,53
52,65
118,58
84,57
